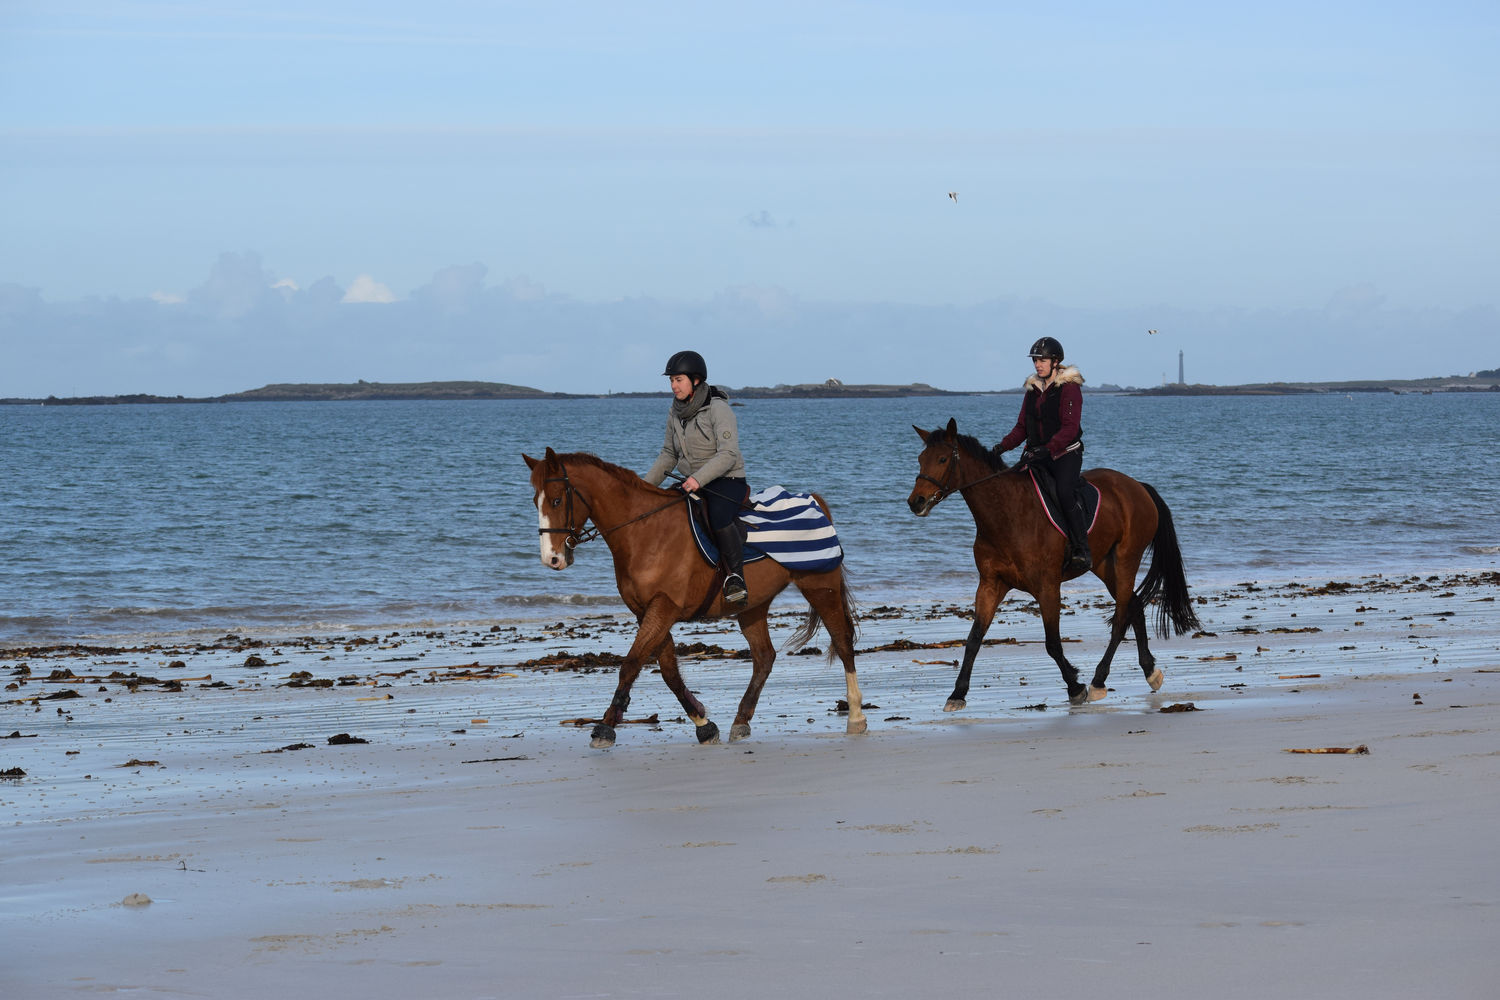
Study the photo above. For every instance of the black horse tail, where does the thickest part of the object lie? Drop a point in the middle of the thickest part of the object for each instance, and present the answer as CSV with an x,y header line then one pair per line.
x,y
1165,582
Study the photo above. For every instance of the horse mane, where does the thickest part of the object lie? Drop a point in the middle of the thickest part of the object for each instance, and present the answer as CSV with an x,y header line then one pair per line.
x,y
971,446
624,475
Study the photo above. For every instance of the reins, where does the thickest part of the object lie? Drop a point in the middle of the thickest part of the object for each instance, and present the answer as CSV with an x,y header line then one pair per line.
x,y
576,536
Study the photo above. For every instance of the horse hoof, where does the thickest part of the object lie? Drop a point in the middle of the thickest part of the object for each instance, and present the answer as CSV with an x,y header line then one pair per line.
x,y
955,705
855,728
739,731
603,737
1156,679
1097,693
708,733
1079,697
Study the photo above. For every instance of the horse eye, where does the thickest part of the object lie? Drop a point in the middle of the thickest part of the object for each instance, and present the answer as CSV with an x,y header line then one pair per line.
x,y
557,501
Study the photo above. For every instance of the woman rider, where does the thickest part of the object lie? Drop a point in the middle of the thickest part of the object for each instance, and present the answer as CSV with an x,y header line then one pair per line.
x,y
1050,425
703,443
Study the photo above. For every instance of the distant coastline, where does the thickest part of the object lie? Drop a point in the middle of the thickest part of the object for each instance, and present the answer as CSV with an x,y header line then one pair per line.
x,y
1488,381
310,392
362,390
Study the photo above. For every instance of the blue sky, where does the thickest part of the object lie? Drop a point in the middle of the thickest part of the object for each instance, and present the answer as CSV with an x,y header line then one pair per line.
x,y
201,198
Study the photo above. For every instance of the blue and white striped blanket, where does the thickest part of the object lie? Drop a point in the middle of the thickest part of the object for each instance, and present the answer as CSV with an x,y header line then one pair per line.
x,y
788,527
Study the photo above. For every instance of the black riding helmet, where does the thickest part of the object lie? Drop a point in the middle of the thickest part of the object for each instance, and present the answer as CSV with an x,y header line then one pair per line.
x,y
689,363
1046,347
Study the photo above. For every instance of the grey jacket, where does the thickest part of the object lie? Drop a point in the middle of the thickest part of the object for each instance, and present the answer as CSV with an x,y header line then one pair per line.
x,y
706,447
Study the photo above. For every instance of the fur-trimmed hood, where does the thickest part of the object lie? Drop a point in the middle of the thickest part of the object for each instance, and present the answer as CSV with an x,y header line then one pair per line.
x,y
1062,375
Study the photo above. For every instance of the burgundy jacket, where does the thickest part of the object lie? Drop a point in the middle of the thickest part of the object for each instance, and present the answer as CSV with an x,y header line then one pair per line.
x,y
1051,413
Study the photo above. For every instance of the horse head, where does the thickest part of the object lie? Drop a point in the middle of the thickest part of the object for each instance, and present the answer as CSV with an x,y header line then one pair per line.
x,y
937,468
560,508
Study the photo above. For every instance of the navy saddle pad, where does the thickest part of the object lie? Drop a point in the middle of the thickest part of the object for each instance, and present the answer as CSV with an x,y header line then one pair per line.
x,y
1088,491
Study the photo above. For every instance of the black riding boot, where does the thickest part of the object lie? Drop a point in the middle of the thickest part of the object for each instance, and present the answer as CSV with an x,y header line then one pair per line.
x,y
1078,558
731,541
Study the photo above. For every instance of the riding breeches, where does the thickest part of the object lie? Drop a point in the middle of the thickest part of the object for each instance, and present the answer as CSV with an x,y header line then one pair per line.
x,y
723,499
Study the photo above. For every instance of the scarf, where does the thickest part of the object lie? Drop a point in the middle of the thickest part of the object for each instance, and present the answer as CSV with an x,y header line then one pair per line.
x,y
686,409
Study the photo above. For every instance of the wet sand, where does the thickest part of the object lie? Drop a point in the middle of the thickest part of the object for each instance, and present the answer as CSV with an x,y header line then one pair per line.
x,y
474,846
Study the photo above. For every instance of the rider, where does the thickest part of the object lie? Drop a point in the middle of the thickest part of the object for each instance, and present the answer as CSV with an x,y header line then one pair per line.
x,y
1049,424
703,443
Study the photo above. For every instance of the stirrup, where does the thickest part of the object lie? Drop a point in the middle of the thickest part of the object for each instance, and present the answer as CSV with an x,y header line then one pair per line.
x,y
734,589
1080,560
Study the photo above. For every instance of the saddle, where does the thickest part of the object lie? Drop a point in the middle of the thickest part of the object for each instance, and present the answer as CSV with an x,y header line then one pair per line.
x,y
1046,491
788,527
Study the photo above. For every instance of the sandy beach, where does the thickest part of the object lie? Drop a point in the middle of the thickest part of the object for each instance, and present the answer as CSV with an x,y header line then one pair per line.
x,y
181,824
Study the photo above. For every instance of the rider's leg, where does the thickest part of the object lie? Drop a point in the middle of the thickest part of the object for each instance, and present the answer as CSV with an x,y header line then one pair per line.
x,y
1067,473
724,498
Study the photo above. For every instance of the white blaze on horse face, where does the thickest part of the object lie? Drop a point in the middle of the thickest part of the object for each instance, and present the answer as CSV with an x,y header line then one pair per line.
x,y
551,556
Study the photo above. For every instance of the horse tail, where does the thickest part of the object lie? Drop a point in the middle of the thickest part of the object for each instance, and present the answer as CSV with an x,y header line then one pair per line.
x,y
810,623
849,608
1165,582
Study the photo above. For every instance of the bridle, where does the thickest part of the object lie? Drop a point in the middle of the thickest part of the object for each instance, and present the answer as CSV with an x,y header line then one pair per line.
x,y
576,536
943,489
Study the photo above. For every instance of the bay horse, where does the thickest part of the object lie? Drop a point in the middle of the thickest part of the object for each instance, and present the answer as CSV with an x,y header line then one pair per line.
x,y
663,580
1017,548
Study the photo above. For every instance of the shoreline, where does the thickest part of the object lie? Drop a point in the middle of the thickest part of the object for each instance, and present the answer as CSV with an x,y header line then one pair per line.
x,y
466,841
535,613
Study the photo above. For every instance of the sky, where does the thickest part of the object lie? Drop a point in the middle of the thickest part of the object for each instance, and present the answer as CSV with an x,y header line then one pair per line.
x,y
201,198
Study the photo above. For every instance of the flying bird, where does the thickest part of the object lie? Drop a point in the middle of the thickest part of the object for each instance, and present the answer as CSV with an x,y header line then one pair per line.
x,y
954,196
1150,331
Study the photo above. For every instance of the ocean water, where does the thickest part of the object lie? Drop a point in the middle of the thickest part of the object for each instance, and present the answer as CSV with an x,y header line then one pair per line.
x,y
151,520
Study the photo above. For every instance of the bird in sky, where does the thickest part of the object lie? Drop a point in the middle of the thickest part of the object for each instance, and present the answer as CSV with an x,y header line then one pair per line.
x,y
954,196
1150,331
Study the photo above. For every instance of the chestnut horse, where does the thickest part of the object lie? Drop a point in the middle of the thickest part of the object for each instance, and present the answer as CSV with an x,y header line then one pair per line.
x,y
1017,548
663,580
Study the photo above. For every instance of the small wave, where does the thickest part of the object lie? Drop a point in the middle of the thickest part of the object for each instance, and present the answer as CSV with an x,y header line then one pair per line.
x,y
1480,550
534,600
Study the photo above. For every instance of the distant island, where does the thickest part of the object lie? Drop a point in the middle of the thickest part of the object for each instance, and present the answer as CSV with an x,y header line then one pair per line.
x,y
320,392
1484,381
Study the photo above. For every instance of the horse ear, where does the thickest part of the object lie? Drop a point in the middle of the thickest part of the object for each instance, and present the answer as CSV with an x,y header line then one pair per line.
x,y
530,462
920,433
551,455
952,429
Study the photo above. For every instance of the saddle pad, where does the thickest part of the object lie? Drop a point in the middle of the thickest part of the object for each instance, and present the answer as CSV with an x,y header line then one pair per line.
x,y
788,527
1087,490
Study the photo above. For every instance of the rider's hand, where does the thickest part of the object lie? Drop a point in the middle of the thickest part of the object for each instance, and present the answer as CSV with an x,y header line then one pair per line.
x,y
690,485
1035,454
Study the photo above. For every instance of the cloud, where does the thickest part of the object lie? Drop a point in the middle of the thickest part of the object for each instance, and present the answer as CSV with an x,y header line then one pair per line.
x,y
523,289
243,328
1356,300
366,289
454,289
237,286
759,220
168,298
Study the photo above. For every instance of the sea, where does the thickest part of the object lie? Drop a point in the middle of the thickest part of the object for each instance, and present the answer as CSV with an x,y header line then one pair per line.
x,y
151,521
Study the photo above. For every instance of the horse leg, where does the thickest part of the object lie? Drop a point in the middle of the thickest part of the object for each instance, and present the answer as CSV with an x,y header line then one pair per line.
x,y
1051,605
666,658
762,657
655,625
1154,676
832,606
986,599
1121,586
